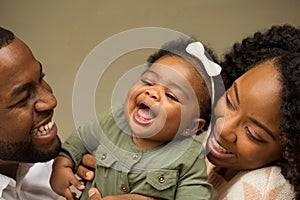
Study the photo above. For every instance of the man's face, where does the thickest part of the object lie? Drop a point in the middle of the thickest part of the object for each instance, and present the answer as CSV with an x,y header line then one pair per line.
x,y
27,132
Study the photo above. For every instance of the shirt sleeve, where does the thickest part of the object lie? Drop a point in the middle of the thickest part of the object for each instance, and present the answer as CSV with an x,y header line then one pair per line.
x,y
73,149
193,184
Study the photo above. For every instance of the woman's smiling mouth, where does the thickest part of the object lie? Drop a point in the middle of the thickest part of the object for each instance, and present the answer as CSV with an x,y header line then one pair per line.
x,y
218,147
216,150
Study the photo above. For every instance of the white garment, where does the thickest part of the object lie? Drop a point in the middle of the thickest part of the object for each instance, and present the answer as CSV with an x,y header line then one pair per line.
x,y
32,183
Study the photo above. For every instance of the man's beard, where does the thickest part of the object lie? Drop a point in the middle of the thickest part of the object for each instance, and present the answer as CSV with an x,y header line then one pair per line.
x,y
27,152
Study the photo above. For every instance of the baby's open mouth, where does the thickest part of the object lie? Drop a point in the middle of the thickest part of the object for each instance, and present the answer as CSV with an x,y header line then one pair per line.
x,y
143,114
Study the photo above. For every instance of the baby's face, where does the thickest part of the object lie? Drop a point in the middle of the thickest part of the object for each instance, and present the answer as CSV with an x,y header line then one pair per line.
x,y
163,103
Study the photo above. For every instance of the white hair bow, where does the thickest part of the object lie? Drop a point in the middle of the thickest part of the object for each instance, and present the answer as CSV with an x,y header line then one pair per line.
x,y
196,49
213,69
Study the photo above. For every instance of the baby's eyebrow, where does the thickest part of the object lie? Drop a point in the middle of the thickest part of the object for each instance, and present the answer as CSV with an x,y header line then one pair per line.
x,y
168,82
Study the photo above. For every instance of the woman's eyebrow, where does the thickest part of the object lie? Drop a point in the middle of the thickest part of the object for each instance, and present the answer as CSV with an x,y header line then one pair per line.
x,y
236,92
265,128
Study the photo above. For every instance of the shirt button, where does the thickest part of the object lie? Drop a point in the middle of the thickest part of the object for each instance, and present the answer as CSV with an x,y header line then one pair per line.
x,y
161,179
124,188
135,156
103,157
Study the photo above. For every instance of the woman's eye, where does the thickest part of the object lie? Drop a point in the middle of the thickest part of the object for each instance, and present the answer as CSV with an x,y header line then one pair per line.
x,y
228,102
172,97
251,136
145,82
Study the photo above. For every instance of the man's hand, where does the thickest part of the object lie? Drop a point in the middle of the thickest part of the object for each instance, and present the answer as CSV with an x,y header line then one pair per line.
x,y
62,178
95,194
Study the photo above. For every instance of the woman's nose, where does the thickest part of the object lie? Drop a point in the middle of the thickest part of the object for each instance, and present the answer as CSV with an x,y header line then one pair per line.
x,y
227,127
226,121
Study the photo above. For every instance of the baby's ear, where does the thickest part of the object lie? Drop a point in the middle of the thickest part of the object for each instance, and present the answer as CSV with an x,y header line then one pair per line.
x,y
198,124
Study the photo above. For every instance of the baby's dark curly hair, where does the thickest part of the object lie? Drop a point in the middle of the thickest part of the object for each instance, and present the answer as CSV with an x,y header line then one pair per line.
x,y
177,48
283,44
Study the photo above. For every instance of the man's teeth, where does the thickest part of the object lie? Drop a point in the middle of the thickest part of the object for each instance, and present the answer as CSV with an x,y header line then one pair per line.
x,y
219,147
43,130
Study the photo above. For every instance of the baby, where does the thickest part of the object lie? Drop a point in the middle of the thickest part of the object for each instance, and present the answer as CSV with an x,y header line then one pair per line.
x,y
147,145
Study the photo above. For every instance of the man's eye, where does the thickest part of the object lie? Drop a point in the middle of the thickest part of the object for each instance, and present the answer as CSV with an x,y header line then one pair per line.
x,y
24,100
145,82
172,97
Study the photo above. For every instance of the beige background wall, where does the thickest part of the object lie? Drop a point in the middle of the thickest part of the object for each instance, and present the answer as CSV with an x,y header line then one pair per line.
x,y
61,33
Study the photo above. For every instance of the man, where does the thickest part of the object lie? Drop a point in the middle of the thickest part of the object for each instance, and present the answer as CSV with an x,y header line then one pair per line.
x,y
27,132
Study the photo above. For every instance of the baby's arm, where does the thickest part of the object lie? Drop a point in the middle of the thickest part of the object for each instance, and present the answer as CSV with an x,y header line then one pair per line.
x,y
193,183
62,178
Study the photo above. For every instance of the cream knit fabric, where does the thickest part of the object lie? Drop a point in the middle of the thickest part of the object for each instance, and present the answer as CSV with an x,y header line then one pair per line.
x,y
260,184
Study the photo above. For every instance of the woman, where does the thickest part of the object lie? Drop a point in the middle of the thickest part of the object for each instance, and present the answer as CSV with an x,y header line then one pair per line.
x,y
277,41
242,141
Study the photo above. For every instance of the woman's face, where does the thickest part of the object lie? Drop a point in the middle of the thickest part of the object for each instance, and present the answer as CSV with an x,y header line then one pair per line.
x,y
246,133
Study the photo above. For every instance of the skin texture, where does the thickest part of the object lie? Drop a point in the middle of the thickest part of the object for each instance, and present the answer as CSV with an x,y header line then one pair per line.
x,y
167,90
26,103
251,103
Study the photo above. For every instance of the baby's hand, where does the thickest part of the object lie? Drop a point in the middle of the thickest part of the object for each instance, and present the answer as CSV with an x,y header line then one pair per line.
x,y
62,178
87,168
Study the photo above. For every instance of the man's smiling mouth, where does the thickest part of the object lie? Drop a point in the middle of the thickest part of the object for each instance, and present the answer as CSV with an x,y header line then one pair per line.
x,y
43,129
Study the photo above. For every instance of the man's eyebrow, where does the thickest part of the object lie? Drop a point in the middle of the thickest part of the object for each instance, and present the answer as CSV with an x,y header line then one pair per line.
x,y
18,90
268,131
236,92
41,68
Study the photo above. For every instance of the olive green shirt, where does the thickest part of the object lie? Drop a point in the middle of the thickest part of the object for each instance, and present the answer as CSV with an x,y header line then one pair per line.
x,y
173,171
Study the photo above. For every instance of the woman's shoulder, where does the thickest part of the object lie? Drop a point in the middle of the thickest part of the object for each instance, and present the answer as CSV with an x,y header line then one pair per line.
x,y
263,183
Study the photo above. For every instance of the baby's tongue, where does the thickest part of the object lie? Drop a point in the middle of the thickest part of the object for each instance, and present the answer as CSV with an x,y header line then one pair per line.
x,y
143,116
144,113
